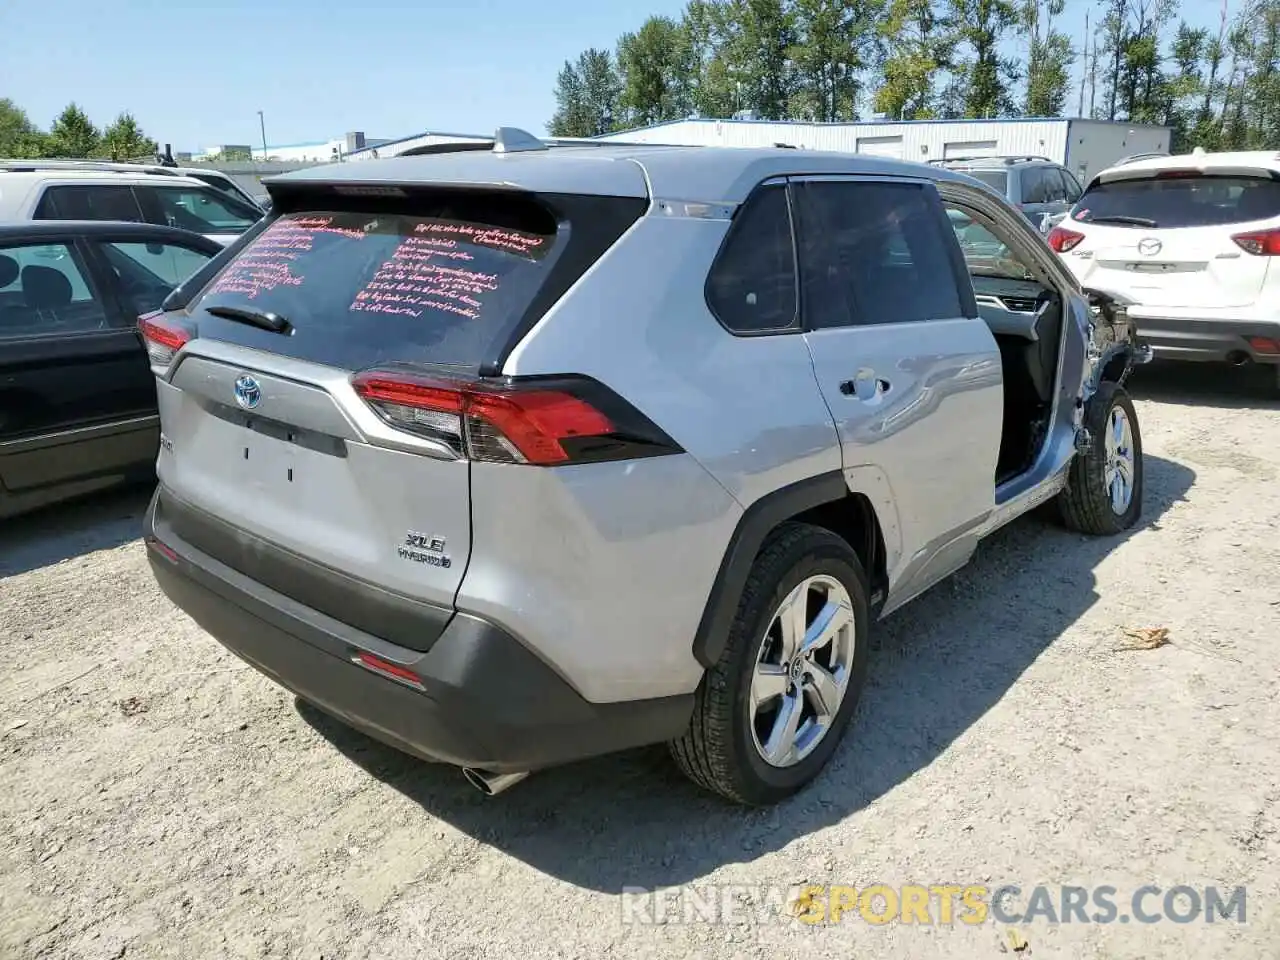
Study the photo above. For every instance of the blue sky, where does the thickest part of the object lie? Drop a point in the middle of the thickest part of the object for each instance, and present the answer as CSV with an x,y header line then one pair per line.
x,y
196,74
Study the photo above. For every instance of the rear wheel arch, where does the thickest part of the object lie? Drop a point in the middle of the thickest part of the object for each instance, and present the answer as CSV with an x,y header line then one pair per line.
x,y
824,501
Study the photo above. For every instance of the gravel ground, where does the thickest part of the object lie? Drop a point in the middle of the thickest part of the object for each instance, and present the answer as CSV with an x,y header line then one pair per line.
x,y
159,799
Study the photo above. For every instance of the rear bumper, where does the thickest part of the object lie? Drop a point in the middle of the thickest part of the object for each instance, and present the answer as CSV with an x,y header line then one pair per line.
x,y
486,700
1214,340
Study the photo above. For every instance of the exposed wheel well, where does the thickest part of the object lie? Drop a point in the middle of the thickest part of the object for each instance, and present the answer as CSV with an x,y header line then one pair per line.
x,y
853,518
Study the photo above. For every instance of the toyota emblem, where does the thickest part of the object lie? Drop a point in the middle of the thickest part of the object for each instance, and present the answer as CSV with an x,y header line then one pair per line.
x,y
248,393
1149,246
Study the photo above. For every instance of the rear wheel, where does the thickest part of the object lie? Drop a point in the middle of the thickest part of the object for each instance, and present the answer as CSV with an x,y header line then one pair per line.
x,y
1104,489
774,708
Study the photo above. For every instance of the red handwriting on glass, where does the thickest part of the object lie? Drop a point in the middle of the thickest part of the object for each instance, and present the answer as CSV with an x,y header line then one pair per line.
x,y
509,240
264,266
427,273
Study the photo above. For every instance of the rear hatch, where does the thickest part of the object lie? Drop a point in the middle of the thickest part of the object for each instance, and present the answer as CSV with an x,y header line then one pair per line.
x,y
332,487
1175,238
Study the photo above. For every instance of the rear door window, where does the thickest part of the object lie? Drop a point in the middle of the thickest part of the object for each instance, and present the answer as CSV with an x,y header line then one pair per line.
x,y
198,209
363,288
44,291
875,253
998,180
89,202
1180,200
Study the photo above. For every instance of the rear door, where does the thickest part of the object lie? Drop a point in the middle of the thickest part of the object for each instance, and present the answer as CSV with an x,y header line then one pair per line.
x,y
909,371
1167,237
75,402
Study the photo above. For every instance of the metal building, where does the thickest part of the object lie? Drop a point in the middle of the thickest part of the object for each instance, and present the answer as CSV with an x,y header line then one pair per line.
x,y
392,148
1083,146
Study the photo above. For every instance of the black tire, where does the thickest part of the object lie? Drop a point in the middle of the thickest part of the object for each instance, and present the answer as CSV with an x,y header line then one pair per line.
x,y
717,751
1085,504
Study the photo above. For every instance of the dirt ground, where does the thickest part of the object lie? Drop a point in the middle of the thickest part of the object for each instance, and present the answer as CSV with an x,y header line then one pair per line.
x,y
160,799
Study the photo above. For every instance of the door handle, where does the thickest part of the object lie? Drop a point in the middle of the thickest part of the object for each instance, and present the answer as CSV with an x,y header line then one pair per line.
x,y
866,386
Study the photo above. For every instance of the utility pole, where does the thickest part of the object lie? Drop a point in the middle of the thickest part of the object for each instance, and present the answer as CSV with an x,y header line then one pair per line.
x,y
262,125
1093,75
1084,63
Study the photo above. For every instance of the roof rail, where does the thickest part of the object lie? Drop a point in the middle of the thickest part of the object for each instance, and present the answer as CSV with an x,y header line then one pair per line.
x,y
1011,159
102,166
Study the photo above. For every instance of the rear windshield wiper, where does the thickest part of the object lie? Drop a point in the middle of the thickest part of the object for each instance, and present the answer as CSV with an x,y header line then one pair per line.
x,y
1123,218
262,319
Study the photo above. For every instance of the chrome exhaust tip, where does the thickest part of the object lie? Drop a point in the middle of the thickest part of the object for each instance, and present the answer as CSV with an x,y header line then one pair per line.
x,y
492,784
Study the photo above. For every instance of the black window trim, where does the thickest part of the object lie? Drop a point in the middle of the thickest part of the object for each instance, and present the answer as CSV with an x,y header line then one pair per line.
x,y
959,267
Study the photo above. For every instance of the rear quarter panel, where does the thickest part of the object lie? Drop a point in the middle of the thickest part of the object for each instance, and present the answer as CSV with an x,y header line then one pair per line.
x,y
631,551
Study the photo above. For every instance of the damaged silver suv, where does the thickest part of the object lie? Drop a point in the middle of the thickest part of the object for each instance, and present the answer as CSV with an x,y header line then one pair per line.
x,y
519,454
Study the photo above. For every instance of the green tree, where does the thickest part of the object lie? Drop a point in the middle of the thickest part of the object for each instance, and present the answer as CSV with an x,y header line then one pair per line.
x,y
124,140
980,26
915,45
834,43
656,67
19,138
743,50
587,95
1261,93
73,135
1049,59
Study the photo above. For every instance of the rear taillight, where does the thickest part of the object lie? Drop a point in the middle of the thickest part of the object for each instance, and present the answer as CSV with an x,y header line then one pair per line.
x,y
1260,243
1266,345
162,337
543,421
1061,239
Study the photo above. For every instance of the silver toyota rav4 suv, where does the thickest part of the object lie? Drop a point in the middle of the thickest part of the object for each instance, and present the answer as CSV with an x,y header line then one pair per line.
x,y
517,455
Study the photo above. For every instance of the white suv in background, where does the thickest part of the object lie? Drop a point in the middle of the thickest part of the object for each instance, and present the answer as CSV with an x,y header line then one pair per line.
x,y
1190,241
62,190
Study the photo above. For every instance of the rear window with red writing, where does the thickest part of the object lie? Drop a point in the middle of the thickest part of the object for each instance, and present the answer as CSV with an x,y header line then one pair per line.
x,y
365,288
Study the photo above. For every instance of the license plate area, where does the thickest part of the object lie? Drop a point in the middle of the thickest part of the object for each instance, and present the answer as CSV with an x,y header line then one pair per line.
x,y
282,462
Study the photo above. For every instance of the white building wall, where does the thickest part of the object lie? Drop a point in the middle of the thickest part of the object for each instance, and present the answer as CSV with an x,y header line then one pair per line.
x,y
1096,144
920,141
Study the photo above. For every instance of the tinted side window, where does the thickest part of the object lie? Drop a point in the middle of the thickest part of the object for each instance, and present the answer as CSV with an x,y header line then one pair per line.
x,y
1035,188
147,272
752,285
1072,186
199,209
89,203
44,290
875,253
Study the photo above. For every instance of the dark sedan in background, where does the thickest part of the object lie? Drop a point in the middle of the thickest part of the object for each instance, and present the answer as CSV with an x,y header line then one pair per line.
x,y
77,397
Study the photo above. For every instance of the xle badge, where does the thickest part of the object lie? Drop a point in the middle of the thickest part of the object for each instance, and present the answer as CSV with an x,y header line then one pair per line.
x,y
421,548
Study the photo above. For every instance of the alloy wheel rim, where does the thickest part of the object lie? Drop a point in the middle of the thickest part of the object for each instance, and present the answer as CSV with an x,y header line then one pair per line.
x,y
801,671
1118,474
